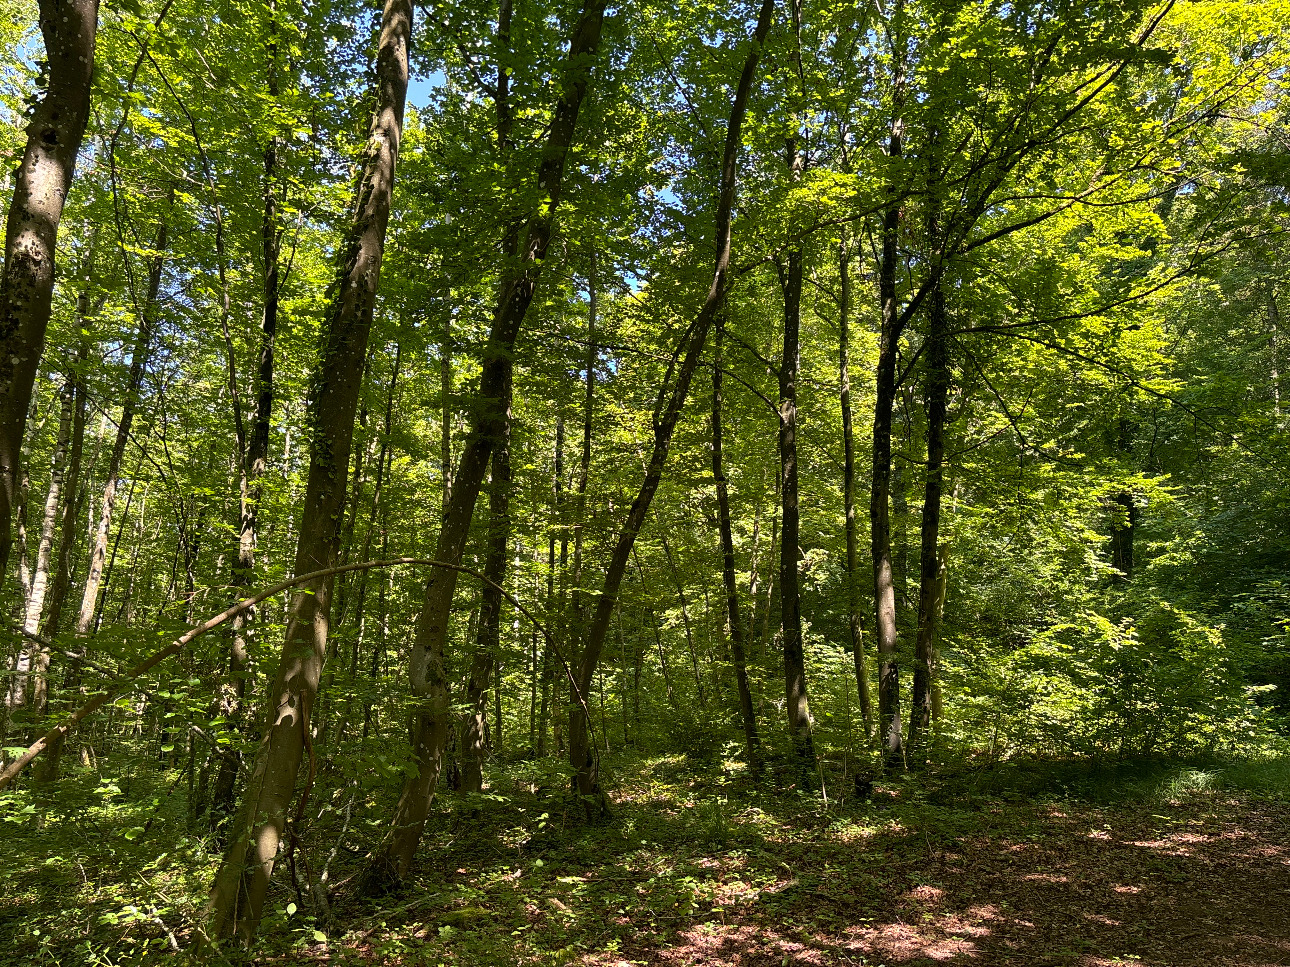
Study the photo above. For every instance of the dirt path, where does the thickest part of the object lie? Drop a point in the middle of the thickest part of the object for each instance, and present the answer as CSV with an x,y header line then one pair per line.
x,y
1201,883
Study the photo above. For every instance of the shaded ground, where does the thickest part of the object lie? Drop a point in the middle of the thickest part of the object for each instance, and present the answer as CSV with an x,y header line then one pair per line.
x,y
1170,869
1199,876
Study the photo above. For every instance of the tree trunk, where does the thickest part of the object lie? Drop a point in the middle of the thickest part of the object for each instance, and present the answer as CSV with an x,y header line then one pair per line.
x,y
86,623
138,365
44,179
30,657
254,462
734,623
855,609
488,644
581,754
790,615
889,713
936,356
72,503
685,622
433,719
238,892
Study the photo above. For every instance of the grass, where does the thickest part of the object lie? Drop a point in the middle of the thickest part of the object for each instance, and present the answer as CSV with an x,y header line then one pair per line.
x,y
112,873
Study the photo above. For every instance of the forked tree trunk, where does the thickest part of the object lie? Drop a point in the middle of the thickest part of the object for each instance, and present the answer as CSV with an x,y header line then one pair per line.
x,y
432,723
44,179
581,753
238,892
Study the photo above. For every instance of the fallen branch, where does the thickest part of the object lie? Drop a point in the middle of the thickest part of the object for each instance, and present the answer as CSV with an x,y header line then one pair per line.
x,y
120,685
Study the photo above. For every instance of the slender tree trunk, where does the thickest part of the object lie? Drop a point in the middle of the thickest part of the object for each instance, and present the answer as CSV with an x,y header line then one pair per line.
x,y
72,502
238,892
685,621
581,754
30,657
931,581
734,623
138,366
427,672
254,462
855,609
889,712
797,703
484,664
94,579
43,181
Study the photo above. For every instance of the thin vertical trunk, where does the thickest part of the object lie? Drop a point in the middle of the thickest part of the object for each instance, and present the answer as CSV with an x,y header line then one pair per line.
x,y
42,183
790,615
581,754
138,365
930,579
445,415
855,609
238,892
685,621
73,492
254,461
734,623
484,663
889,712
1274,324
584,462
86,622
35,604
797,704
427,673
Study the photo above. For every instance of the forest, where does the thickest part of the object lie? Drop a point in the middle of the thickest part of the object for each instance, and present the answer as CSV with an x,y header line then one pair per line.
x,y
529,482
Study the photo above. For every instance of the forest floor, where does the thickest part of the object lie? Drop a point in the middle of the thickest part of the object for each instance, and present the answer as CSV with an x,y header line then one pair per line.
x,y
1153,864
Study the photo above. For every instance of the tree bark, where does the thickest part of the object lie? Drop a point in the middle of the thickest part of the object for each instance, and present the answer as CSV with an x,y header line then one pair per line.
x,y
795,691
138,366
30,656
937,388
254,462
889,712
72,503
44,179
427,674
488,644
581,753
238,892
735,626
855,609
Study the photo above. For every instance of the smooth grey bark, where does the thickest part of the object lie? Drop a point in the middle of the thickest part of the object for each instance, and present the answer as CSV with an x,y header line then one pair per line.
x,y
30,656
44,178
581,752
238,892
72,502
